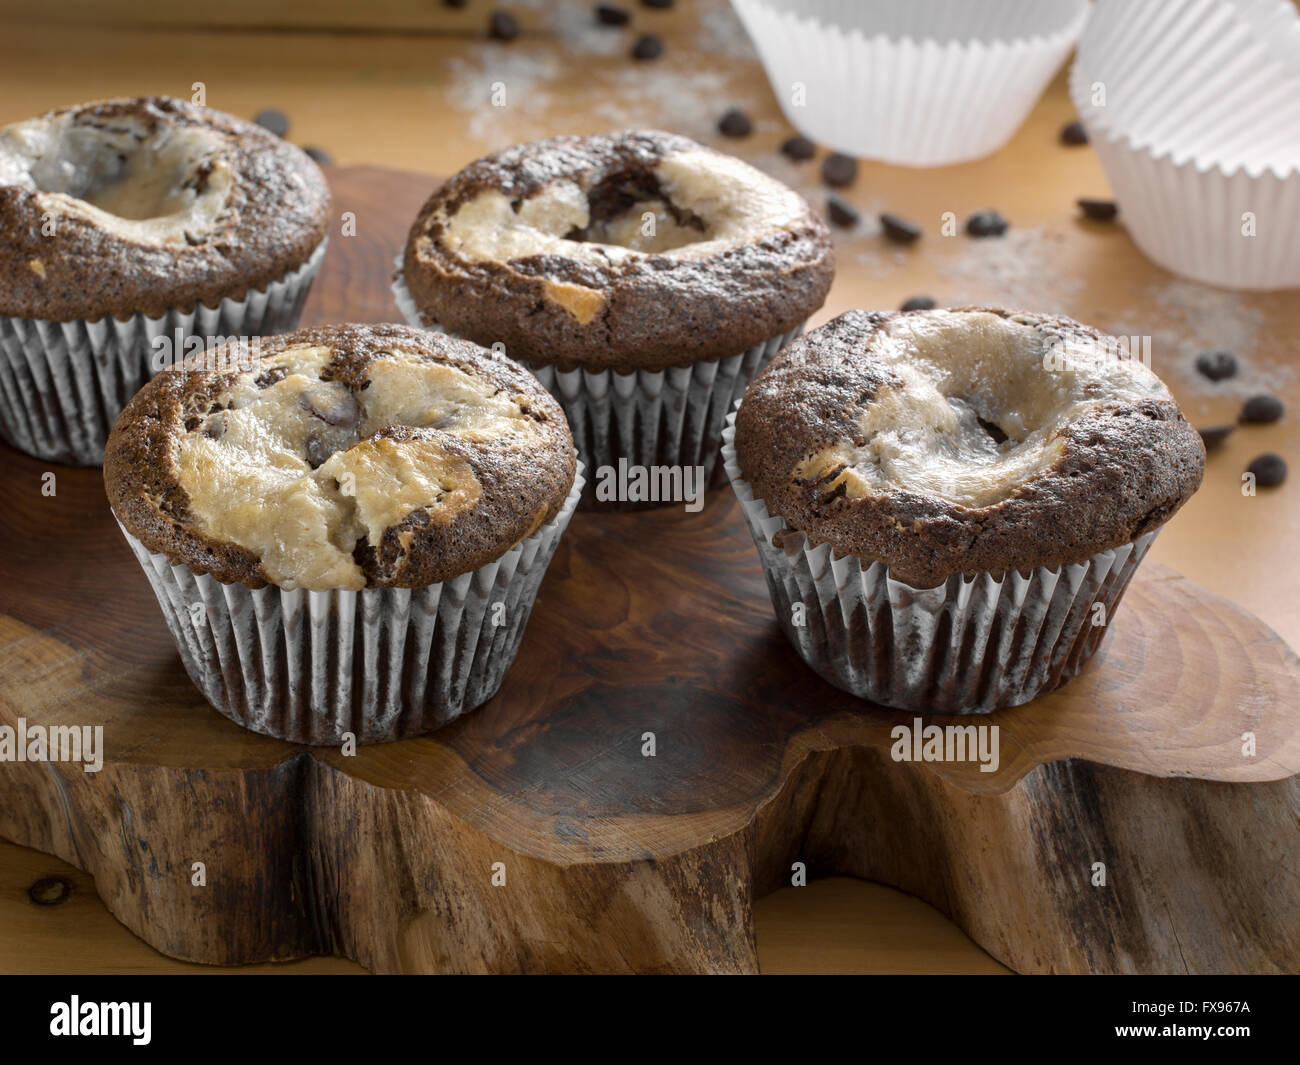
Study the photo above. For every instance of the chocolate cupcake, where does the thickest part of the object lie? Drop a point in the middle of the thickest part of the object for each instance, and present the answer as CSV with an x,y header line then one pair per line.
x,y
949,505
131,233
642,277
345,527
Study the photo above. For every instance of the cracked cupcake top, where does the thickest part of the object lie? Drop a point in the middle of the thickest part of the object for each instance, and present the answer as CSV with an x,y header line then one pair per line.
x,y
342,457
635,250
944,442
144,205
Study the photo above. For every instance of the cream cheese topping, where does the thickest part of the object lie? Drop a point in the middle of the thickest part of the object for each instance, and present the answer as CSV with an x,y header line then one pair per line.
x,y
115,174
964,377
736,204
292,468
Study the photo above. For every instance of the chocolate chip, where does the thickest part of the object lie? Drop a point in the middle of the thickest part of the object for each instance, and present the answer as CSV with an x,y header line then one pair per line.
x,y
275,121
648,47
841,212
735,123
986,224
333,408
50,891
899,230
316,451
1262,410
1213,436
1217,364
609,15
1074,133
660,5
454,3
215,427
503,26
839,170
798,148
319,154
919,303
1269,470
1098,210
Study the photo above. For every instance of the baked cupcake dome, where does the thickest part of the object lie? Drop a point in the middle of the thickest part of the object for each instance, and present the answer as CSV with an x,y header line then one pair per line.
x,y
155,204
942,442
346,527
543,247
345,457
949,505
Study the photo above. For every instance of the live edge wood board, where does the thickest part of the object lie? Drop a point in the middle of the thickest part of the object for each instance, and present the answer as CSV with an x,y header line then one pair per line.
x,y
654,622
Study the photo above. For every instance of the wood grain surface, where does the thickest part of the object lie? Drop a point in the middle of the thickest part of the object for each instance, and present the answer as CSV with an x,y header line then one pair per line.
x,y
653,623
410,97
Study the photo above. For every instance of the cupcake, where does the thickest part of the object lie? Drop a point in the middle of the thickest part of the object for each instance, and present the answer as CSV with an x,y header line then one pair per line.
x,y
132,232
345,527
642,277
911,82
1193,107
949,504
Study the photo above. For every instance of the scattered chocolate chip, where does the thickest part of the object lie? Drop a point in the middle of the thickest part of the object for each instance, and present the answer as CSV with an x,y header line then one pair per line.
x,y
50,890
1213,436
275,121
919,303
215,427
839,170
661,5
333,408
1261,410
798,148
319,154
648,47
609,15
1098,210
1217,364
1074,133
842,213
735,123
1269,470
503,26
899,230
986,224
454,3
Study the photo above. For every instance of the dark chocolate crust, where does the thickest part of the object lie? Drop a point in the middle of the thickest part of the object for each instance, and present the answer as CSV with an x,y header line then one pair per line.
x,y
277,215
1125,469
517,485
658,311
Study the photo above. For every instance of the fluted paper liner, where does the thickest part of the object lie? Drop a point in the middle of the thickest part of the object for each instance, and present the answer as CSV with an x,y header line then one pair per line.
x,y
651,418
1198,130
63,384
911,82
968,646
380,663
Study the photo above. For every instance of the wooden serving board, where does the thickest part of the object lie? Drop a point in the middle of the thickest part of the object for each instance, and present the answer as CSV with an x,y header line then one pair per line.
x,y
535,834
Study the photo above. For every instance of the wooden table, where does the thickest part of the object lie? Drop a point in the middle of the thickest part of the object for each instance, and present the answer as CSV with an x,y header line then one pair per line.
x,y
414,97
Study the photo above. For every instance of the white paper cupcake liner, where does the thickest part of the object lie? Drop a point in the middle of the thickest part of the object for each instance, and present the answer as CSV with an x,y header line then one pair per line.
x,y
1199,133
650,418
968,646
63,384
380,664
911,82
